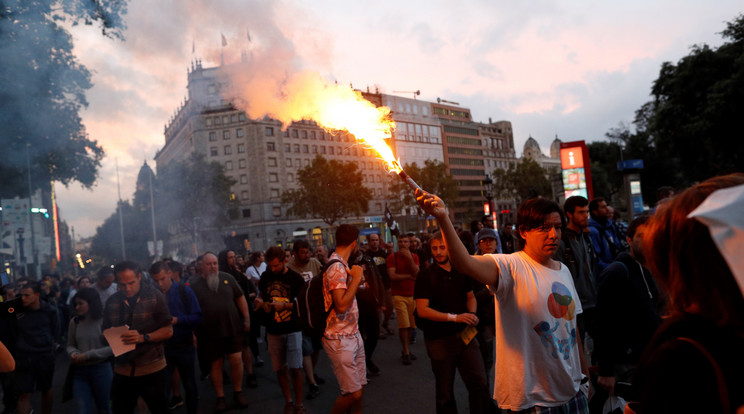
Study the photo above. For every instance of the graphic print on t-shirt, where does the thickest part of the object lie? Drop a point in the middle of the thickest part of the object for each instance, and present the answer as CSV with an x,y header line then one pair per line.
x,y
562,307
279,292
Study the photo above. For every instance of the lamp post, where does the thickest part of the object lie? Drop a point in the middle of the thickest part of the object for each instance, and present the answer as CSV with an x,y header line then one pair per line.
x,y
488,207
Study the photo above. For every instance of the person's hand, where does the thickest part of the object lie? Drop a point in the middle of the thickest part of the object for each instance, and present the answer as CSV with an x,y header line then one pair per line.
x,y
130,337
357,273
431,204
78,358
257,303
467,318
607,384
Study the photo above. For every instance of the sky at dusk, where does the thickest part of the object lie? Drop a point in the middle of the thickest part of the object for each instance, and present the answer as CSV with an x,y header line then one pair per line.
x,y
574,69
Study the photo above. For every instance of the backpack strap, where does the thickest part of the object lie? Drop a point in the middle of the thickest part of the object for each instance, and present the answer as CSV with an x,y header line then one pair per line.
x,y
322,274
720,380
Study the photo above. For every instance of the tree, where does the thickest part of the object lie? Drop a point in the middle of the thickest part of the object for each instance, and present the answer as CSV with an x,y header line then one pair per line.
x,y
432,177
194,195
42,90
328,190
521,181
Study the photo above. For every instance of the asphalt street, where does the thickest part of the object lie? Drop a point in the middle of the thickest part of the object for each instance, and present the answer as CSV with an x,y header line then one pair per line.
x,y
398,388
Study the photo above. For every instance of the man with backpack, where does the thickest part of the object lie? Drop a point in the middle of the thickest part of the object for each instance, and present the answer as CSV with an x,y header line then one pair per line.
x,y
341,340
279,287
186,315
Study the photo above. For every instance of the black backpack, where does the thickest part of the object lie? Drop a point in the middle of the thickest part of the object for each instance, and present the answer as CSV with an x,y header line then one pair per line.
x,y
311,304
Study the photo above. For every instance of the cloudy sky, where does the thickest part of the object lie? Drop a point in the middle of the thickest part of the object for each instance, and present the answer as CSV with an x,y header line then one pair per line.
x,y
573,69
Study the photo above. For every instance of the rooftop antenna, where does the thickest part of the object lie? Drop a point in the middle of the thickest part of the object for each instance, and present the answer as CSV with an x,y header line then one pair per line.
x,y
415,93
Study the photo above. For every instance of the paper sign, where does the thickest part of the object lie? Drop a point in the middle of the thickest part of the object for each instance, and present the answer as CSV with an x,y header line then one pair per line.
x,y
113,336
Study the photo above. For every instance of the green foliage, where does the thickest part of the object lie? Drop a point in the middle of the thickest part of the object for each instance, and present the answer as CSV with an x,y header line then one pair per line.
x,y
42,90
606,179
432,177
328,190
523,180
690,130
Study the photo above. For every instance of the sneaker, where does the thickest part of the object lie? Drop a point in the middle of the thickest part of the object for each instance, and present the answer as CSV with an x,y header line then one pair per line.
x,y
289,408
240,400
314,391
221,405
405,359
300,409
175,402
373,369
259,361
251,381
319,380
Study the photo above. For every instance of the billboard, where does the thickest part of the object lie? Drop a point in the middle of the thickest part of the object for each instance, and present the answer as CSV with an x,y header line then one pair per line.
x,y
575,170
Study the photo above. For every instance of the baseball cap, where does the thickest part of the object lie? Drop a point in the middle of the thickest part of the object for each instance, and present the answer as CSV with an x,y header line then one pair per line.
x,y
485,233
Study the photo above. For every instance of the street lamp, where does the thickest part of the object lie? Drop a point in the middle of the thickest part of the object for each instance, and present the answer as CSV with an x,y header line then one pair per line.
x,y
488,206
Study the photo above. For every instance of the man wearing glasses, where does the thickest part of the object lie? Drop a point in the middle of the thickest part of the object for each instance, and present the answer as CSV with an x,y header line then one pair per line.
x,y
539,357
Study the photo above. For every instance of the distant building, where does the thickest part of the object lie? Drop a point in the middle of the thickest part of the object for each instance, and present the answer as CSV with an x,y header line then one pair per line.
x,y
552,164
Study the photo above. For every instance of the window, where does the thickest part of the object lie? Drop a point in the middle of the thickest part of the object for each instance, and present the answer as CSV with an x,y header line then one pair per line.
x,y
339,152
305,149
415,109
287,148
288,162
272,162
233,118
322,149
241,163
228,150
241,148
225,119
228,165
209,121
242,118
298,162
330,150
269,131
270,146
304,134
306,162
290,177
211,89
246,213
243,179
217,120
213,151
315,149
312,134
276,211
274,193
240,133
297,148
424,111
225,134
273,177
212,136
322,136
294,133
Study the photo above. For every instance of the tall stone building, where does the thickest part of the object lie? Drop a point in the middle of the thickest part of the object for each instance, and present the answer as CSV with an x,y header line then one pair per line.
x,y
264,157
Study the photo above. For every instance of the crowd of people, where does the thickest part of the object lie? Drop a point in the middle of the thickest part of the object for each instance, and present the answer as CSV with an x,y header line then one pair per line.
x,y
561,313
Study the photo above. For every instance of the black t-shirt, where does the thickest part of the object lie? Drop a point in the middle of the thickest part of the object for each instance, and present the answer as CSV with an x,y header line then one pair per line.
x,y
222,317
448,293
281,287
380,257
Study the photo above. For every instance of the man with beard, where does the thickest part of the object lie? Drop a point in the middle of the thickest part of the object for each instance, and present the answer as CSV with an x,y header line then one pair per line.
x,y
575,251
279,287
628,307
307,266
539,357
341,340
141,372
446,306
226,317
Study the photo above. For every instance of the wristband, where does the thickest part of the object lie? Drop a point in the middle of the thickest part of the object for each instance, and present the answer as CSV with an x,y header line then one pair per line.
x,y
451,317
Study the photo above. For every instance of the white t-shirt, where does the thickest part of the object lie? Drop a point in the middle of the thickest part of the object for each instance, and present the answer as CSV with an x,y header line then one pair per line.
x,y
254,272
537,357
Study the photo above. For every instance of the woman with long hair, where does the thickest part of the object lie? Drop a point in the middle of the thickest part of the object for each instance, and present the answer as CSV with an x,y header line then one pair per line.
x,y
89,354
695,362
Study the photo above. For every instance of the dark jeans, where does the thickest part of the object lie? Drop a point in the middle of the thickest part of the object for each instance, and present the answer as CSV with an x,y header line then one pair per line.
x,y
152,388
91,387
184,359
450,354
369,322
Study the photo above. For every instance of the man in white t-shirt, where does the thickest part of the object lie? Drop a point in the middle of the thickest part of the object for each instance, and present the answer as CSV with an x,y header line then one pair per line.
x,y
540,363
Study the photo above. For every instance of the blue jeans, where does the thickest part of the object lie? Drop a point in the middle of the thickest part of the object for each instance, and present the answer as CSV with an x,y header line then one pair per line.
x,y
91,386
184,359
